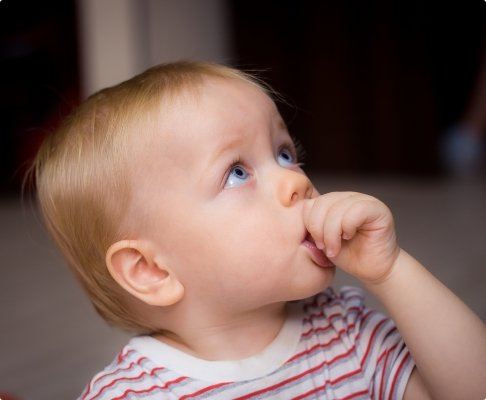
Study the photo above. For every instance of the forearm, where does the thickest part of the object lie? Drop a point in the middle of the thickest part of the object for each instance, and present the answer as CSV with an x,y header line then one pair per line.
x,y
446,339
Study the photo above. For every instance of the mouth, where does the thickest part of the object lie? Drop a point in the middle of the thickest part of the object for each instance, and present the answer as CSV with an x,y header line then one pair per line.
x,y
316,254
307,237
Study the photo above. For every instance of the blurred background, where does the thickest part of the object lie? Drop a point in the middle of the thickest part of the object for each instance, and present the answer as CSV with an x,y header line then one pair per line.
x,y
387,98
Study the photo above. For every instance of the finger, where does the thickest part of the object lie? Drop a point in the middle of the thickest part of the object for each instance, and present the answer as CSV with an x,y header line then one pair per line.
x,y
316,215
359,214
332,228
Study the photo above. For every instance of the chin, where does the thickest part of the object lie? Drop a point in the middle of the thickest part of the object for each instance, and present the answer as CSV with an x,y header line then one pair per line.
x,y
304,289
320,278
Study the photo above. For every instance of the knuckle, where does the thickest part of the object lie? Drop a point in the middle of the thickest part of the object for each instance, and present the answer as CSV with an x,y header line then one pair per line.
x,y
362,205
314,227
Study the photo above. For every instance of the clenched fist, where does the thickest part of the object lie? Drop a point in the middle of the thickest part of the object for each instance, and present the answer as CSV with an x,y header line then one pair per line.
x,y
356,231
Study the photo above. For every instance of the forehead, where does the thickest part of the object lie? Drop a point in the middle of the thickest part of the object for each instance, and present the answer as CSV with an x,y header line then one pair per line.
x,y
221,111
185,133
232,103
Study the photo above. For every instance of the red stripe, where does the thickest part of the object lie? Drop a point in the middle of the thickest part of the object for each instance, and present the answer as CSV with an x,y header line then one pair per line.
x,y
323,328
371,339
308,351
86,391
204,390
387,352
383,375
320,329
119,358
337,300
355,395
319,388
334,302
383,354
121,369
165,386
300,375
338,314
319,345
396,375
131,378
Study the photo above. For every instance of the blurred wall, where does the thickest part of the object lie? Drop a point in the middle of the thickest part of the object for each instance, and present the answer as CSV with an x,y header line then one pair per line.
x,y
375,86
121,38
38,79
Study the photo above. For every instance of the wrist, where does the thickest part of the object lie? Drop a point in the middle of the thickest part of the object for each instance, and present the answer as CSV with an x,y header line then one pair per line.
x,y
384,280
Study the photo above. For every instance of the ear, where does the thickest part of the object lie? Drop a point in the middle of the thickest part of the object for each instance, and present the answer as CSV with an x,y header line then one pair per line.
x,y
134,266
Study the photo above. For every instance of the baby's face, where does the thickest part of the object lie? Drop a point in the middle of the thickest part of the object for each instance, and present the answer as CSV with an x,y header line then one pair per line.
x,y
232,234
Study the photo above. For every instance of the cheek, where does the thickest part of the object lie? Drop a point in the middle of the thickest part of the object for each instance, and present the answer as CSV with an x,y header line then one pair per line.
x,y
235,250
251,253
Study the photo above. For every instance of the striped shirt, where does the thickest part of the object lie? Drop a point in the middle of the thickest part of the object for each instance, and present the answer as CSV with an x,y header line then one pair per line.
x,y
331,346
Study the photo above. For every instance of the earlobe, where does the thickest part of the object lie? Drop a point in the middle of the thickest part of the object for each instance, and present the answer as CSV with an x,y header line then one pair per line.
x,y
136,268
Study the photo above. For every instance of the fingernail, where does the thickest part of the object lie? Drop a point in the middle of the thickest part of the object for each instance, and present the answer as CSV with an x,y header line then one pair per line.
x,y
329,253
320,245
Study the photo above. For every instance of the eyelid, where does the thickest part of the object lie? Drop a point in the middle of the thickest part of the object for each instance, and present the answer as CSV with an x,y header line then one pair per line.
x,y
294,146
291,147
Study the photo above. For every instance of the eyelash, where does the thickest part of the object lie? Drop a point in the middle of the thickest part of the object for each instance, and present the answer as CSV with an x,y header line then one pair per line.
x,y
299,154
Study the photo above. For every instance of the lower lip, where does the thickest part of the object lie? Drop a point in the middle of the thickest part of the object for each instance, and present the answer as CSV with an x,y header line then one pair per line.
x,y
317,255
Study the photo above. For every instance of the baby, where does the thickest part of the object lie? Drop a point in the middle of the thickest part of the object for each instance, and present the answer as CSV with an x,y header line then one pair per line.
x,y
179,201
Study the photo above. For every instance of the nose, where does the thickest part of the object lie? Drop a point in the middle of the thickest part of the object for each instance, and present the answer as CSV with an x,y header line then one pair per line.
x,y
294,186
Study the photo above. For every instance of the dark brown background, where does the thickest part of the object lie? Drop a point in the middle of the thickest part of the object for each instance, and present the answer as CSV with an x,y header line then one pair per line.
x,y
376,82
373,84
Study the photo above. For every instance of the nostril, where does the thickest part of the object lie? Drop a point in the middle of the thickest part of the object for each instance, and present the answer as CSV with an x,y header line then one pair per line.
x,y
294,197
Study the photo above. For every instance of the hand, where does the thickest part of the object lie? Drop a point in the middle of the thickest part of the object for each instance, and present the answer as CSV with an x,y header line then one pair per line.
x,y
357,231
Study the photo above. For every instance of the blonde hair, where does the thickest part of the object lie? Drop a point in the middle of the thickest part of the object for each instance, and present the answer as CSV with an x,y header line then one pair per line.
x,y
82,190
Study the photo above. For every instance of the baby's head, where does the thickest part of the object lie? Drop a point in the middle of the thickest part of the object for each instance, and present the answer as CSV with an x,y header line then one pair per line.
x,y
179,193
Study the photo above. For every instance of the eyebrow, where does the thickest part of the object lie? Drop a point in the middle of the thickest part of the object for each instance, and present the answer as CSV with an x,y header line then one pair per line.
x,y
235,142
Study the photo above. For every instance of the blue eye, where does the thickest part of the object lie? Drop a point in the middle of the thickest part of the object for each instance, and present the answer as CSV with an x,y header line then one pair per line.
x,y
288,155
237,172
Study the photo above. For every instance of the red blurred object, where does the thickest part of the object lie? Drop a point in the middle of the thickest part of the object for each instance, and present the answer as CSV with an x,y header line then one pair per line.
x,y
7,396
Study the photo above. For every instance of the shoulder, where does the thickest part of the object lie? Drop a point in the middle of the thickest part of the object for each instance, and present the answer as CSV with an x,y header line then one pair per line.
x,y
369,330
341,316
128,372
367,336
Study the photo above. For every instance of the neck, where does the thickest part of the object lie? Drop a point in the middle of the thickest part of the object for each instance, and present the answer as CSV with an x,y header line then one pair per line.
x,y
217,338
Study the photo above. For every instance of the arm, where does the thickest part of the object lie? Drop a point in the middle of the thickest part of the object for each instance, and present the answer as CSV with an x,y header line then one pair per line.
x,y
415,389
446,339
